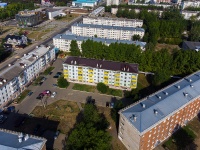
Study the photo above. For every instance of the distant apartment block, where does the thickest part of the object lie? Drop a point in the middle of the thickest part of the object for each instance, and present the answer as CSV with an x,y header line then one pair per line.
x,y
122,22
192,3
145,124
110,32
112,2
15,77
11,140
189,14
30,17
97,12
91,71
63,41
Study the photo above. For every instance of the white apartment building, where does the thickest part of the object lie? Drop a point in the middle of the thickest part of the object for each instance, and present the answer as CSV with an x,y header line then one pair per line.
x,y
15,77
122,22
63,41
193,3
97,12
91,71
189,14
112,2
110,32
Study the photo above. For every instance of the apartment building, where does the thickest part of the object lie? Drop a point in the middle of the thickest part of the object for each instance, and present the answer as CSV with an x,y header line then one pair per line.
x,y
150,121
112,2
11,140
91,71
192,3
97,12
63,41
15,77
110,32
122,22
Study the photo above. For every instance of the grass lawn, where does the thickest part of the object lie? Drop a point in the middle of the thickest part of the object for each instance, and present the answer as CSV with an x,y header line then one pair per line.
x,y
22,96
114,92
182,136
48,70
83,87
68,18
62,111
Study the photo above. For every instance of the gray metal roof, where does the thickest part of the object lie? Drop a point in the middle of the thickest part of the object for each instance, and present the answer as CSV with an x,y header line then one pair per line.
x,y
107,41
109,27
108,18
9,141
162,103
191,45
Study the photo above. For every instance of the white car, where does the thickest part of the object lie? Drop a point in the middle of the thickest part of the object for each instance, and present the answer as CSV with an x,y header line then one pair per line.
x,y
53,94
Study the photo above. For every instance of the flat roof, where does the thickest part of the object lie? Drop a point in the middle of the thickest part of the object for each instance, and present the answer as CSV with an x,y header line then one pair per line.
x,y
15,69
107,18
102,64
109,27
9,140
107,41
163,103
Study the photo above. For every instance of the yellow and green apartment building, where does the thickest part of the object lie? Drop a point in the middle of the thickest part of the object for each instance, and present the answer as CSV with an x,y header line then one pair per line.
x,y
91,71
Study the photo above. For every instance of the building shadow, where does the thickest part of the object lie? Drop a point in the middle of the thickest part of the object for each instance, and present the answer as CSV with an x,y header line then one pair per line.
x,y
27,124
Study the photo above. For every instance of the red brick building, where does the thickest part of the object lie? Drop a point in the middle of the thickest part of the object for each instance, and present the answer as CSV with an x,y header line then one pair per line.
x,y
147,123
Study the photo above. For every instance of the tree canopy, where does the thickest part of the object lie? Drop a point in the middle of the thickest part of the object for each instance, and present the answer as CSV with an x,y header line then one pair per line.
x,y
90,132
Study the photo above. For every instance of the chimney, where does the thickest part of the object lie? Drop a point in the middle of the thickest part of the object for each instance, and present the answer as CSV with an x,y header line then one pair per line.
x,y
75,62
185,94
165,93
158,96
143,105
26,137
72,62
155,112
191,86
97,65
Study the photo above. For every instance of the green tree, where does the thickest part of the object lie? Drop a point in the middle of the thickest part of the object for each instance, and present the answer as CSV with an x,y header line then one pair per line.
x,y
136,37
101,87
62,82
90,133
74,48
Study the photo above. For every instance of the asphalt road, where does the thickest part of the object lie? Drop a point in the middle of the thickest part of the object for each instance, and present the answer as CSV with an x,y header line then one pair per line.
x,y
31,102
28,49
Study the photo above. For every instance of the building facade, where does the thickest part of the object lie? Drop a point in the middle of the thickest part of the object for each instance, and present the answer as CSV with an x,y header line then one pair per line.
x,y
30,17
189,14
63,41
54,13
90,71
16,40
121,22
15,77
110,32
147,123
192,3
112,2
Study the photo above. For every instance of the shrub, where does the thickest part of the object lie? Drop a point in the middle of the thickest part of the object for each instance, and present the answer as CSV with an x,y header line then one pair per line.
x,y
101,87
62,82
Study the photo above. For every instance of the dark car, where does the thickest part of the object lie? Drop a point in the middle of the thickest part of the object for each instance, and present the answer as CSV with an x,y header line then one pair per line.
x,y
30,93
50,73
36,129
9,109
19,121
3,118
55,85
58,74
107,104
43,79
40,83
40,96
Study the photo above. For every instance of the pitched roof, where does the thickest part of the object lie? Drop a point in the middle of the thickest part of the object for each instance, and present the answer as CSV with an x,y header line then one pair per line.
x,y
9,140
102,64
192,45
109,27
115,19
159,105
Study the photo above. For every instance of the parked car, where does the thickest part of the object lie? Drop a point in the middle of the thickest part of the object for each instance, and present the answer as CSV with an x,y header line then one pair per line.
x,y
3,118
30,93
56,134
40,96
36,129
19,121
112,105
107,104
55,85
53,94
9,109
43,79
40,83
58,74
